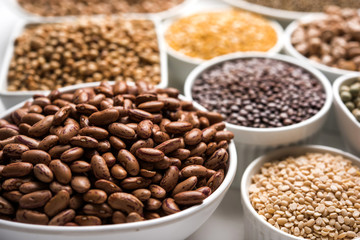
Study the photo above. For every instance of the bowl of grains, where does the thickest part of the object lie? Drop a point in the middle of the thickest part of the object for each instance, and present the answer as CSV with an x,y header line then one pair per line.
x,y
347,109
285,11
189,43
303,192
330,41
142,163
44,56
267,101
50,10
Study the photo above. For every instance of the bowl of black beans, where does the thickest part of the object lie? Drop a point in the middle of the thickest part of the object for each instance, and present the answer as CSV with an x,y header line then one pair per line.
x,y
346,90
267,101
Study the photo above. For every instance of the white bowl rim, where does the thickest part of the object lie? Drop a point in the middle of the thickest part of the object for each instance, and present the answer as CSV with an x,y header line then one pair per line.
x,y
284,58
22,24
289,48
336,87
136,226
196,61
306,148
20,11
281,14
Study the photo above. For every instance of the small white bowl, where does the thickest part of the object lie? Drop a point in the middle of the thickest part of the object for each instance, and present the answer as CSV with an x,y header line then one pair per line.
x,y
10,98
177,226
20,11
330,72
256,227
253,142
347,124
181,65
283,16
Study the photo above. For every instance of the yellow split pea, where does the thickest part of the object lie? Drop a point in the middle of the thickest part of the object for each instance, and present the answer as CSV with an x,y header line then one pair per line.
x,y
211,34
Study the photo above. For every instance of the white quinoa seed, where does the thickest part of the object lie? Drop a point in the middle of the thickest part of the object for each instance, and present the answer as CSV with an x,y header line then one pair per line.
x,y
314,196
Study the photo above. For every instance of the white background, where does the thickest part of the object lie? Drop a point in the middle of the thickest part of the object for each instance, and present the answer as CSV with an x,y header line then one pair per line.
x,y
226,222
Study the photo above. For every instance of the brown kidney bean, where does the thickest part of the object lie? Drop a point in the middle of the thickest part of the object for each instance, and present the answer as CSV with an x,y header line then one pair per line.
x,y
169,145
32,118
138,115
14,150
35,199
86,109
84,141
117,143
178,127
23,129
170,178
118,172
186,185
67,132
72,154
95,132
56,151
31,216
122,131
84,121
18,169
36,156
80,166
170,103
104,117
76,201
151,106
189,197
193,161
153,204
6,133
55,187
208,134
194,170
51,109
223,135
160,137
132,183
147,173
205,190
57,203
215,180
144,129
80,184
142,194
48,142
6,207
61,171
109,159
63,217
61,115
100,210
148,143
193,137
13,196
30,142
199,149
169,206
11,184
107,186
150,154
129,162
157,191
42,127
151,215
43,173
134,217
125,202
181,154
95,196
17,115
211,148
99,167
84,220
118,217
217,158
32,186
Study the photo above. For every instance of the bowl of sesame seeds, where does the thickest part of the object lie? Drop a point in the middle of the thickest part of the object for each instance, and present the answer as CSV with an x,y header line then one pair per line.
x,y
302,192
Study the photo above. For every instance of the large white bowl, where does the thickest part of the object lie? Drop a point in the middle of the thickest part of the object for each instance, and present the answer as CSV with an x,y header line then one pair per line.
x,y
256,227
181,65
347,124
283,16
10,98
177,226
253,142
20,11
330,72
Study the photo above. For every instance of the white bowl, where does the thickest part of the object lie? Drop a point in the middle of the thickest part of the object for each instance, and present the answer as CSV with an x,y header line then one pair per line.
x,y
256,227
176,226
330,72
347,124
181,65
253,142
283,16
10,98
20,11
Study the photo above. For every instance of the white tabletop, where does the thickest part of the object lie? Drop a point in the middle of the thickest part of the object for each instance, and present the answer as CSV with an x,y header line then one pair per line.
x,y
226,222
